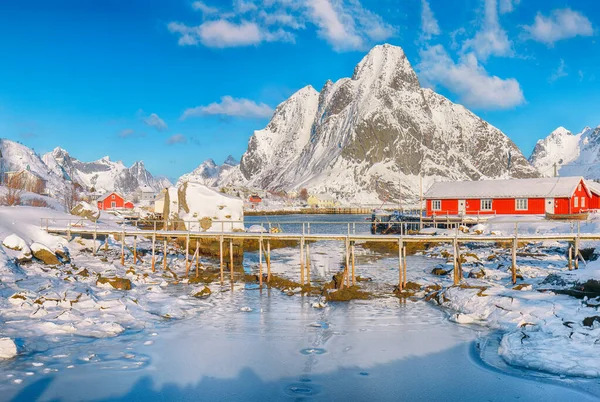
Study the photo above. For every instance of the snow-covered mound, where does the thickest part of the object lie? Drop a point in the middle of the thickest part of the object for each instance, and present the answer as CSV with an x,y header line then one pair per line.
x,y
204,209
8,349
369,137
573,154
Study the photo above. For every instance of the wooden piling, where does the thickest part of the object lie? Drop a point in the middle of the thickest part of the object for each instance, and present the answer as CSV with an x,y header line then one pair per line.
x,y
308,264
576,252
347,268
187,254
231,260
571,258
165,252
260,265
268,260
400,265
123,248
352,256
302,261
197,258
221,258
134,250
154,251
455,259
404,264
94,245
514,260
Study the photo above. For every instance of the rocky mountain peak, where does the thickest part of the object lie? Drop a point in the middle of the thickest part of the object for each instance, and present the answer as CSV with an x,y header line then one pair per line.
x,y
388,65
231,161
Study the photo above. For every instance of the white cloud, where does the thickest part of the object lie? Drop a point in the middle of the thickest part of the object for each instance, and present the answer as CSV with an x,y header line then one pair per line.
x,y
508,6
561,24
559,72
154,121
128,132
347,26
491,39
205,9
219,33
429,24
231,107
467,78
177,139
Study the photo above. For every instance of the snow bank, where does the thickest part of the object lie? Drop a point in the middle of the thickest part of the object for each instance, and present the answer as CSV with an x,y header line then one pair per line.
x,y
14,242
8,349
209,210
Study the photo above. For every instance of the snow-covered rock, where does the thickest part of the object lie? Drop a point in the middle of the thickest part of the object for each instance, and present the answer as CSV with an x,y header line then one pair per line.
x,y
14,242
8,349
369,138
44,254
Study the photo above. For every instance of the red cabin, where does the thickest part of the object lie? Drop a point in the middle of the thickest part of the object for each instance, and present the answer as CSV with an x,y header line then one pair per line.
x,y
255,199
554,196
595,190
113,201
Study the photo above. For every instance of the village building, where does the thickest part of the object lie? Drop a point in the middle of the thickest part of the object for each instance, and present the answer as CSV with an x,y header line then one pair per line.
x,y
145,193
321,201
255,199
159,202
552,196
595,190
25,179
113,200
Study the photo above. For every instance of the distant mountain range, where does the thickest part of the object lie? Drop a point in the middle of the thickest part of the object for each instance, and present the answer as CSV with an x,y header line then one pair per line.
x,y
60,170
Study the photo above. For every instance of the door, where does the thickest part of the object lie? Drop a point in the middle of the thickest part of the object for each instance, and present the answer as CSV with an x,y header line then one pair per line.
x,y
461,207
549,205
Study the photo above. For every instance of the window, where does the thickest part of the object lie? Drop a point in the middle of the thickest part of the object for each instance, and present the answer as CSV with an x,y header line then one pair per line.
x,y
575,202
113,204
113,197
436,205
486,205
582,202
579,188
522,204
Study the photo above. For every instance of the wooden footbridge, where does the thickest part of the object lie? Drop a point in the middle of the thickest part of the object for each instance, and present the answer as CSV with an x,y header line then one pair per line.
x,y
226,238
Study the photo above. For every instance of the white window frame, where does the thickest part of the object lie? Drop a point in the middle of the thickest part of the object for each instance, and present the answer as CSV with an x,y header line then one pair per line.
x,y
579,187
113,204
521,207
576,202
582,202
436,205
483,204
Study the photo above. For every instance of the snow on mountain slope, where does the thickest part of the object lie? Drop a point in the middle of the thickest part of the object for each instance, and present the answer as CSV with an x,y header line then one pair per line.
x,y
17,157
102,174
574,154
368,138
209,173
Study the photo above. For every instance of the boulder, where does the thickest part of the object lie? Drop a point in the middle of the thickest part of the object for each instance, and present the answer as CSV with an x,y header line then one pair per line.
x,y
477,274
589,321
8,349
203,294
440,271
63,255
44,254
86,210
116,283
15,243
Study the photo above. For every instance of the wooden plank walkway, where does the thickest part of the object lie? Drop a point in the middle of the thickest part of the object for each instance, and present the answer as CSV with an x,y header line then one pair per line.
x,y
349,240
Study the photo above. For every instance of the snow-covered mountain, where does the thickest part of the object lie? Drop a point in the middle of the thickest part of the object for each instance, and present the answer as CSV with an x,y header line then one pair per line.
x,y
103,174
574,154
209,173
368,138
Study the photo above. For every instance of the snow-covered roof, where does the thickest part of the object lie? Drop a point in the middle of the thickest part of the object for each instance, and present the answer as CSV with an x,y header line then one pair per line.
x,y
513,188
105,196
593,186
324,197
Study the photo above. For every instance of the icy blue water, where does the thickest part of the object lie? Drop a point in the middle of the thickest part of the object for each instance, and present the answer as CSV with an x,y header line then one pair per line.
x,y
249,345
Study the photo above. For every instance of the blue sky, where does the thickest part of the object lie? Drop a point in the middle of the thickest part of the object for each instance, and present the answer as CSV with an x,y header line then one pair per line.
x,y
175,82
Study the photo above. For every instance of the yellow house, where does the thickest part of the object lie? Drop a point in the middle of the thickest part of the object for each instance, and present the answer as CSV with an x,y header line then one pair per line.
x,y
321,201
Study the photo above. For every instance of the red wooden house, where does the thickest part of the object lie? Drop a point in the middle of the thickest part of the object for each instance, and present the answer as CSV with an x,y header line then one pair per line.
x,y
595,190
555,195
255,199
113,201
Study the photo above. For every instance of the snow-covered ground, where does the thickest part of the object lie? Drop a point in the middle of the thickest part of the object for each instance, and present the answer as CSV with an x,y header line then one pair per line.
x,y
74,334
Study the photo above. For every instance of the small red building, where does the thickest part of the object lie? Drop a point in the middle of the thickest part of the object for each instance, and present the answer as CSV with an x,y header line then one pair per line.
x,y
255,199
595,190
555,195
113,201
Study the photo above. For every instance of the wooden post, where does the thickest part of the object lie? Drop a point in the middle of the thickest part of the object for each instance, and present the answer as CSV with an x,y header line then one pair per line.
x,y
260,267
106,244
221,258
268,260
187,254
404,264
514,261
455,257
231,260
400,265
353,271
302,261
134,250
165,252
308,263
576,251
94,246
347,261
197,257
123,248
153,251
571,258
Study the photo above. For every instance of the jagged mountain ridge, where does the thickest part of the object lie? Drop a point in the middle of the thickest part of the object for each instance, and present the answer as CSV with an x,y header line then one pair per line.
x,y
209,173
574,154
368,138
102,174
